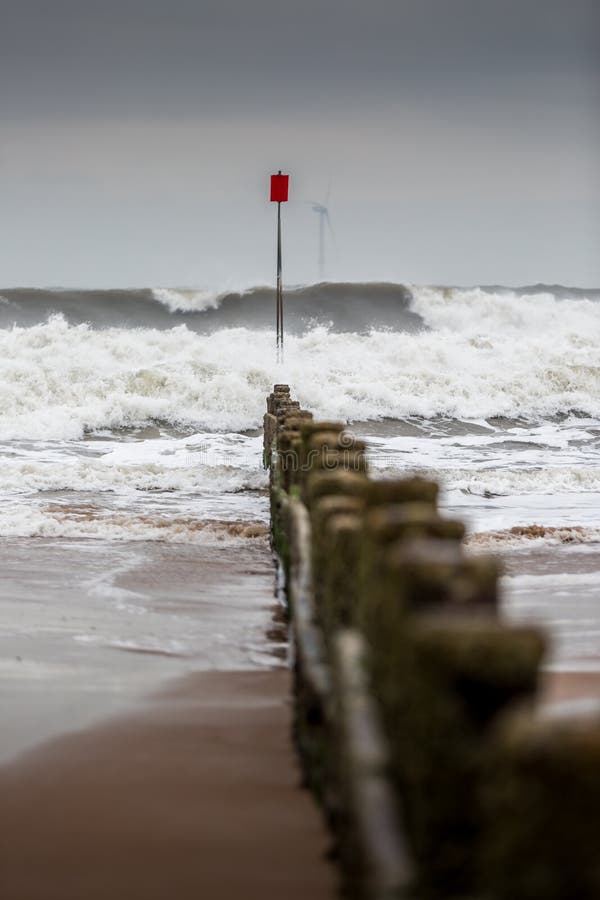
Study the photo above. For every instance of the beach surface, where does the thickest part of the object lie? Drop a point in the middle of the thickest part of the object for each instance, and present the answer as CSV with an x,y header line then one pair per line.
x,y
130,772
196,796
89,628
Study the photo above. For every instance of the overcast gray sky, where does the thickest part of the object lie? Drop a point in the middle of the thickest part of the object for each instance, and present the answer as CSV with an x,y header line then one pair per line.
x,y
461,138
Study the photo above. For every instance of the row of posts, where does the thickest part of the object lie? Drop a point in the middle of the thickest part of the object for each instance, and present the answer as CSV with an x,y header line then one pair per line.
x,y
416,712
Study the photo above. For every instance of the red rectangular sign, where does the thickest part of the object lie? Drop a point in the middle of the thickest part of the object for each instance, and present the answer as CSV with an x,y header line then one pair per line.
x,y
279,188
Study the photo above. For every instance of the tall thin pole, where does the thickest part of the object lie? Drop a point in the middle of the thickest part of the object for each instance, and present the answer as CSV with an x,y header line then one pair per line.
x,y
279,286
279,195
277,302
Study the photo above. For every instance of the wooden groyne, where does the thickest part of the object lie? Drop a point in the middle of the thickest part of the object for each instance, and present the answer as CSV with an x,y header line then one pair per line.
x,y
416,713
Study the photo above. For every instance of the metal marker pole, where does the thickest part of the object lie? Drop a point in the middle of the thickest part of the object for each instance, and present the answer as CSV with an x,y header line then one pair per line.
x,y
279,195
278,275
279,287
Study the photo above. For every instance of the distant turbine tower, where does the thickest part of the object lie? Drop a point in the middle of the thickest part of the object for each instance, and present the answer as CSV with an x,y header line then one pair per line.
x,y
324,218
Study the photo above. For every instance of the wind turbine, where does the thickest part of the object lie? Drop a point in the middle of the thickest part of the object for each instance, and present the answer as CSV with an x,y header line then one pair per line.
x,y
324,220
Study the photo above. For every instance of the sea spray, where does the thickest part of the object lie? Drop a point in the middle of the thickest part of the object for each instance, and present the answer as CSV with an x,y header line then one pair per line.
x,y
530,357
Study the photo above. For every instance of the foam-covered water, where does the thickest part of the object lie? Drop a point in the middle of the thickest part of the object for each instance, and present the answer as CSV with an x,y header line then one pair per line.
x,y
477,356
181,489
497,391
134,415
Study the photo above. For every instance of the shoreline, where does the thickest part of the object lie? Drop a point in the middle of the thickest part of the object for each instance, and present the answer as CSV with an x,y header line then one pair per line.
x,y
90,629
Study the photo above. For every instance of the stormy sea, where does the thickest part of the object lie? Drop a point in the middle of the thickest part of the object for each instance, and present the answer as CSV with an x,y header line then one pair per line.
x,y
130,434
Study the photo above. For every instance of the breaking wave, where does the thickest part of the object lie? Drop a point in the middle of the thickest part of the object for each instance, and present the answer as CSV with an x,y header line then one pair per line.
x,y
91,521
340,306
523,536
475,355
23,477
504,481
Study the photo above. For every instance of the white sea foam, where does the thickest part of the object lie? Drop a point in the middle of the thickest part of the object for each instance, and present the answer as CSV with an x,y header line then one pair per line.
x,y
198,463
57,380
188,300
61,521
17,476
486,482
477,312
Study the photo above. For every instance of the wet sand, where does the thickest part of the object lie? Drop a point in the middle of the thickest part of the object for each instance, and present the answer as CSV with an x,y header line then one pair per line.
x,y
557,588
196,796
146,718
89,628
569,686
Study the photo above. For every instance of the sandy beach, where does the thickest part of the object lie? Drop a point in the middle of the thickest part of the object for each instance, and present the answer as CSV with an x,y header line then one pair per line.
x,y
196,796
89,628
159,764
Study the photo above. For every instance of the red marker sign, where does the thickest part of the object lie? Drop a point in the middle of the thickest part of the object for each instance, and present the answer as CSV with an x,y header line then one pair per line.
x,y
279,188
279,195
